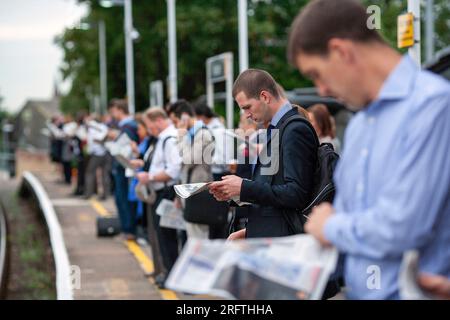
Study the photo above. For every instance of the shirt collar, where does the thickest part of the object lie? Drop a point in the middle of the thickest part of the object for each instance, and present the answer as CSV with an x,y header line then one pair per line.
x,y
192,131
399,83
125,121
214,124
285,108
166,132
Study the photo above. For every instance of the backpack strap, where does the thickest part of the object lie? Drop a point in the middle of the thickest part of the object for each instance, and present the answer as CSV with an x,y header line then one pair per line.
x,y
279,175
286,122
130,130
164,154
204,127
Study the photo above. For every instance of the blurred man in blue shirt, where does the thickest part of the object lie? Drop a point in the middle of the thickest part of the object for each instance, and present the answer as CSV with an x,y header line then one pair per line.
x,y
393,179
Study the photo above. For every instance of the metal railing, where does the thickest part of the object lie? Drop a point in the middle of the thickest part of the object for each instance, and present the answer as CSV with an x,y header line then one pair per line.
x,y
4,253
64,287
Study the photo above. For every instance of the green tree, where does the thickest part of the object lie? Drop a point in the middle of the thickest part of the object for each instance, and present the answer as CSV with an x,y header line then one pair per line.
x,y
4,114
391,9
204,29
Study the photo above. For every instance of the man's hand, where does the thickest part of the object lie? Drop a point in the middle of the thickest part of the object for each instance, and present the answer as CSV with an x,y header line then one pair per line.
x,y
177,203
112,134
316,222
238,235
134,147
137,163
224,190
143,177
436,285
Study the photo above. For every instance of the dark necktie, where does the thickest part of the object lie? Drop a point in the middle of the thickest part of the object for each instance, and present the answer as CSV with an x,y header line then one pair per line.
x,y
268,132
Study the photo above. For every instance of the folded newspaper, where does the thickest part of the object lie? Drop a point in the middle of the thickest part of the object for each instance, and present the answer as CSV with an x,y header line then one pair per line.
x,y
55,132
187,190
295,267
97,130
171,217
121,150
81,133
70,129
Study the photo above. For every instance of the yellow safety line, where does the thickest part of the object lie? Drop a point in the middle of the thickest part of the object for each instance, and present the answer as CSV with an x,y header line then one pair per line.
x,y
99,208
147,266
145,262
168,294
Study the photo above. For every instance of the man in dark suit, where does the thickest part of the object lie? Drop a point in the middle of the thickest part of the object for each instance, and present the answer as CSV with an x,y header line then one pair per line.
x,y
276,189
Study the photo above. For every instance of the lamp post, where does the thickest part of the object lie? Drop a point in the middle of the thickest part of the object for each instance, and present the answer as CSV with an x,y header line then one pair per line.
x,y
414,51
172,33
102,62
129,55
429,29
243,35
130,35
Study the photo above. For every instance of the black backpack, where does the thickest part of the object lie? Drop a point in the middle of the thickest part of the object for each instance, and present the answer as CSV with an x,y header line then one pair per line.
x,y
323,189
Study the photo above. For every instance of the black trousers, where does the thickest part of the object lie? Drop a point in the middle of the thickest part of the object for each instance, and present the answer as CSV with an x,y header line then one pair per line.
x,y
81,167
219,231
67,168
167,238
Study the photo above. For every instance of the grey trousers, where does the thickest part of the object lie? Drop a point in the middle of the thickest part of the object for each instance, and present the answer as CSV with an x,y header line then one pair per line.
x,y
91,174
154,242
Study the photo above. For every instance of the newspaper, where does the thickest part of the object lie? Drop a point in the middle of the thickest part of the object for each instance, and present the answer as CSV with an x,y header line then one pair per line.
x,y
97,130
408,286
70,129
122,146
187,190
55,132
294,267
81,133
171,217
121,150
240,203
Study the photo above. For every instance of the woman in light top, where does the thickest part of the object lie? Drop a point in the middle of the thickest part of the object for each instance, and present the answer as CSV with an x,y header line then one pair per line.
x,y
323,123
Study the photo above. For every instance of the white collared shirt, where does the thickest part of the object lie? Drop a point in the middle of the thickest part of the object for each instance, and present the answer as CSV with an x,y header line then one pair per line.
x,y
167,160
223,148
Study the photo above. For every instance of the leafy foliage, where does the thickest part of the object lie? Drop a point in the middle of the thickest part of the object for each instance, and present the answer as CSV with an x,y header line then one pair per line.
x,y
204,29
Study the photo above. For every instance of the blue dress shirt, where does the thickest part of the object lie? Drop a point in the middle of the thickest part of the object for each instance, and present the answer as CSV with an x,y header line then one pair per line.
x,y
393,184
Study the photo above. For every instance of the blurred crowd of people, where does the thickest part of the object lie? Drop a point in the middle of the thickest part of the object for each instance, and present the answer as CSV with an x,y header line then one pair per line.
x,y
392,180
181,143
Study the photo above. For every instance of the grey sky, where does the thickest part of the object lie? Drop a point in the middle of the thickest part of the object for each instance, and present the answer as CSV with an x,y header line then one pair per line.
x,y
28,58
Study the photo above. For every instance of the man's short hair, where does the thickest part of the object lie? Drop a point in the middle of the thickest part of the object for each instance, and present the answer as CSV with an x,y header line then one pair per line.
x,y
182,106
281,91
120,104
139,118
321,20
155,113
253,81
202,109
